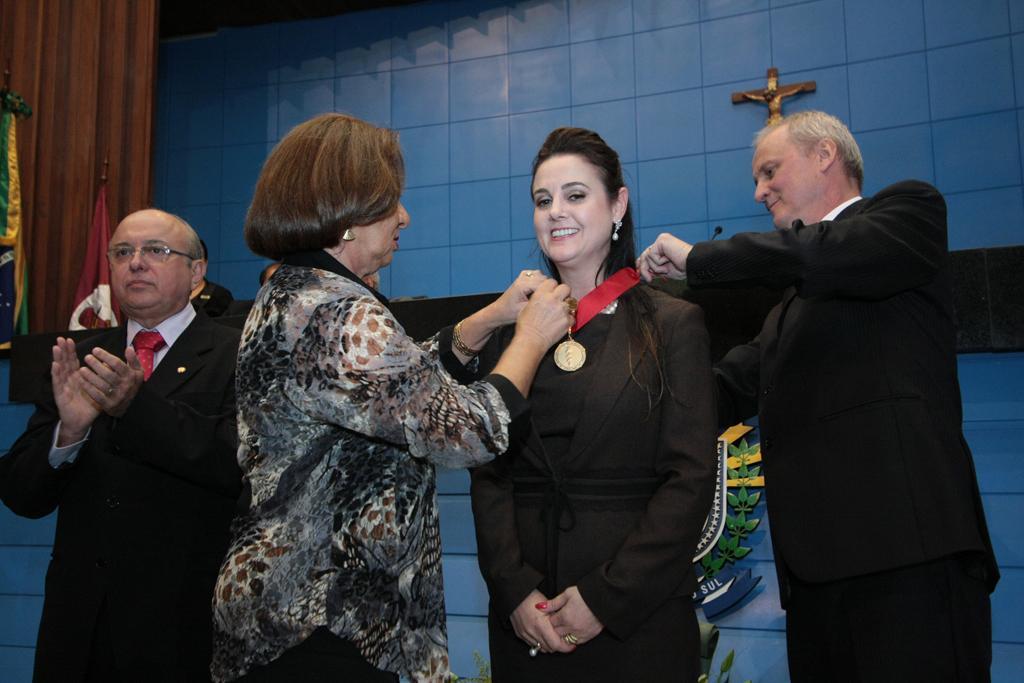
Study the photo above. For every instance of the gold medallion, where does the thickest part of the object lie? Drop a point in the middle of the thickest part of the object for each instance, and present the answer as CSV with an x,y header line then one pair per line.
x,y
570,355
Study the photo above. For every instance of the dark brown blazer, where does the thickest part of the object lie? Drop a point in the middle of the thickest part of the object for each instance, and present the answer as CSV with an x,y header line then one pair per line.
x,y
143,514
619,517
854,379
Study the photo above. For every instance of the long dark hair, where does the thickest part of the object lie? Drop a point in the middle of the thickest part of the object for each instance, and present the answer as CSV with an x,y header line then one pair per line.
x,y
637,303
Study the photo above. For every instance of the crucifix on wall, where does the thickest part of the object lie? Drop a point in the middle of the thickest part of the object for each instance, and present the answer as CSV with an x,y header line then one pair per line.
x,y
773,94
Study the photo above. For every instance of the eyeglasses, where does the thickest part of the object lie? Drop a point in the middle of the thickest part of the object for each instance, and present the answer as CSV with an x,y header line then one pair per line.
x,y
152,253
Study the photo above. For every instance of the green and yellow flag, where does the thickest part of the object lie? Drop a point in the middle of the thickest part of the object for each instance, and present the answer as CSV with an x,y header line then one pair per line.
x,y
13,270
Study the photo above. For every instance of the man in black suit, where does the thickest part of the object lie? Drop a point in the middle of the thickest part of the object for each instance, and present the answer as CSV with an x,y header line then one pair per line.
x,y
212,299
136,451
884,559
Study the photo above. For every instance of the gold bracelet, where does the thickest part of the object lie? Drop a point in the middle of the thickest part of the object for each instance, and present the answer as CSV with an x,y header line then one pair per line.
x,y
460,345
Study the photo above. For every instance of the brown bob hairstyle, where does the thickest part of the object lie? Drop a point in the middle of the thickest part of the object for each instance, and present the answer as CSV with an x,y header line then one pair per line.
x,y
327,175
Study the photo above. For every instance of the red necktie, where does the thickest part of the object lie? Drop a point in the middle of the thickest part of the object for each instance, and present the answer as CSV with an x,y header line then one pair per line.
x,y
146,345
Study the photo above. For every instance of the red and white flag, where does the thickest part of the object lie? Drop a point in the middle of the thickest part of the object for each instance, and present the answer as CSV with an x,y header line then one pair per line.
x,y
94,302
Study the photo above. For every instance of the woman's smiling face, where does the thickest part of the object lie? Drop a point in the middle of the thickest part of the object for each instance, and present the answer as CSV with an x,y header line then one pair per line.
x,y
572,212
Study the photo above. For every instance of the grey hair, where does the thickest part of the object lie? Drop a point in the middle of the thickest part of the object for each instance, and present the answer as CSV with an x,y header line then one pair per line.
x,y
807,128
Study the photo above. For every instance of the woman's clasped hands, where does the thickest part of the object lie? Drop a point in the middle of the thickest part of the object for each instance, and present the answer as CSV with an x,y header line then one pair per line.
x,y
560,624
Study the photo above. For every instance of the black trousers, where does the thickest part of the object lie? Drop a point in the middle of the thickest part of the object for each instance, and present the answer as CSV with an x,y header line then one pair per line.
x,y
929,622
321,657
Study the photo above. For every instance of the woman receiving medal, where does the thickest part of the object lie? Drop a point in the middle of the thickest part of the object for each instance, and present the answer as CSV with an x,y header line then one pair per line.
x,y
586,526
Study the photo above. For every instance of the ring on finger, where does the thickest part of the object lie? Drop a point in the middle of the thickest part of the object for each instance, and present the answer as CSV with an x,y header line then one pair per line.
x,y
534,650
109,390
570,638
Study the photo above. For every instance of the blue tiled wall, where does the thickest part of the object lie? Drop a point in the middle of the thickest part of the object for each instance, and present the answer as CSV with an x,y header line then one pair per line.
x,y
933,89
930,87
24,551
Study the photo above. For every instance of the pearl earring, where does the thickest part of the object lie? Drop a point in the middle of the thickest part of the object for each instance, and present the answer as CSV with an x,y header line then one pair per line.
x,y
617,225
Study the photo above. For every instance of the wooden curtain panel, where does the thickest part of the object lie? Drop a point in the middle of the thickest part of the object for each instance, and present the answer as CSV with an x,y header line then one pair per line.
x,y
88,70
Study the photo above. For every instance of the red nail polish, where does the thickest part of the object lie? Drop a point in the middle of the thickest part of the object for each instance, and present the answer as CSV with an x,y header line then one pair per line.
x,y
541,605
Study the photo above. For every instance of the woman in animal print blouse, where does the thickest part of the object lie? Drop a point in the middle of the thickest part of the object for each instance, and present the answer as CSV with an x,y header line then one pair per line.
x,y
334,569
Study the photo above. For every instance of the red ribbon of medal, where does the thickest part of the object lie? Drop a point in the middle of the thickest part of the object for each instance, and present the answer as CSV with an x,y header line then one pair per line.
x,y
570,355
605,293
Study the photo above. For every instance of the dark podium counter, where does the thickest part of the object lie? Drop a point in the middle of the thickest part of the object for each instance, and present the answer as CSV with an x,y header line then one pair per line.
x,y
988,298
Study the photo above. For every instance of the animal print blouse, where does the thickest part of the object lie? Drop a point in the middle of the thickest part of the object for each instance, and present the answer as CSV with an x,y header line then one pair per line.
x,y
342,418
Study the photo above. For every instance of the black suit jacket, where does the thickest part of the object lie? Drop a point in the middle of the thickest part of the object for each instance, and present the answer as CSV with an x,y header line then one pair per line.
x,y
854,379
213,299
653,466
143,514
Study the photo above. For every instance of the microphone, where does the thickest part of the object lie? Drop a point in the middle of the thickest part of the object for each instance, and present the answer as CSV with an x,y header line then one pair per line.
x,y
716,232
